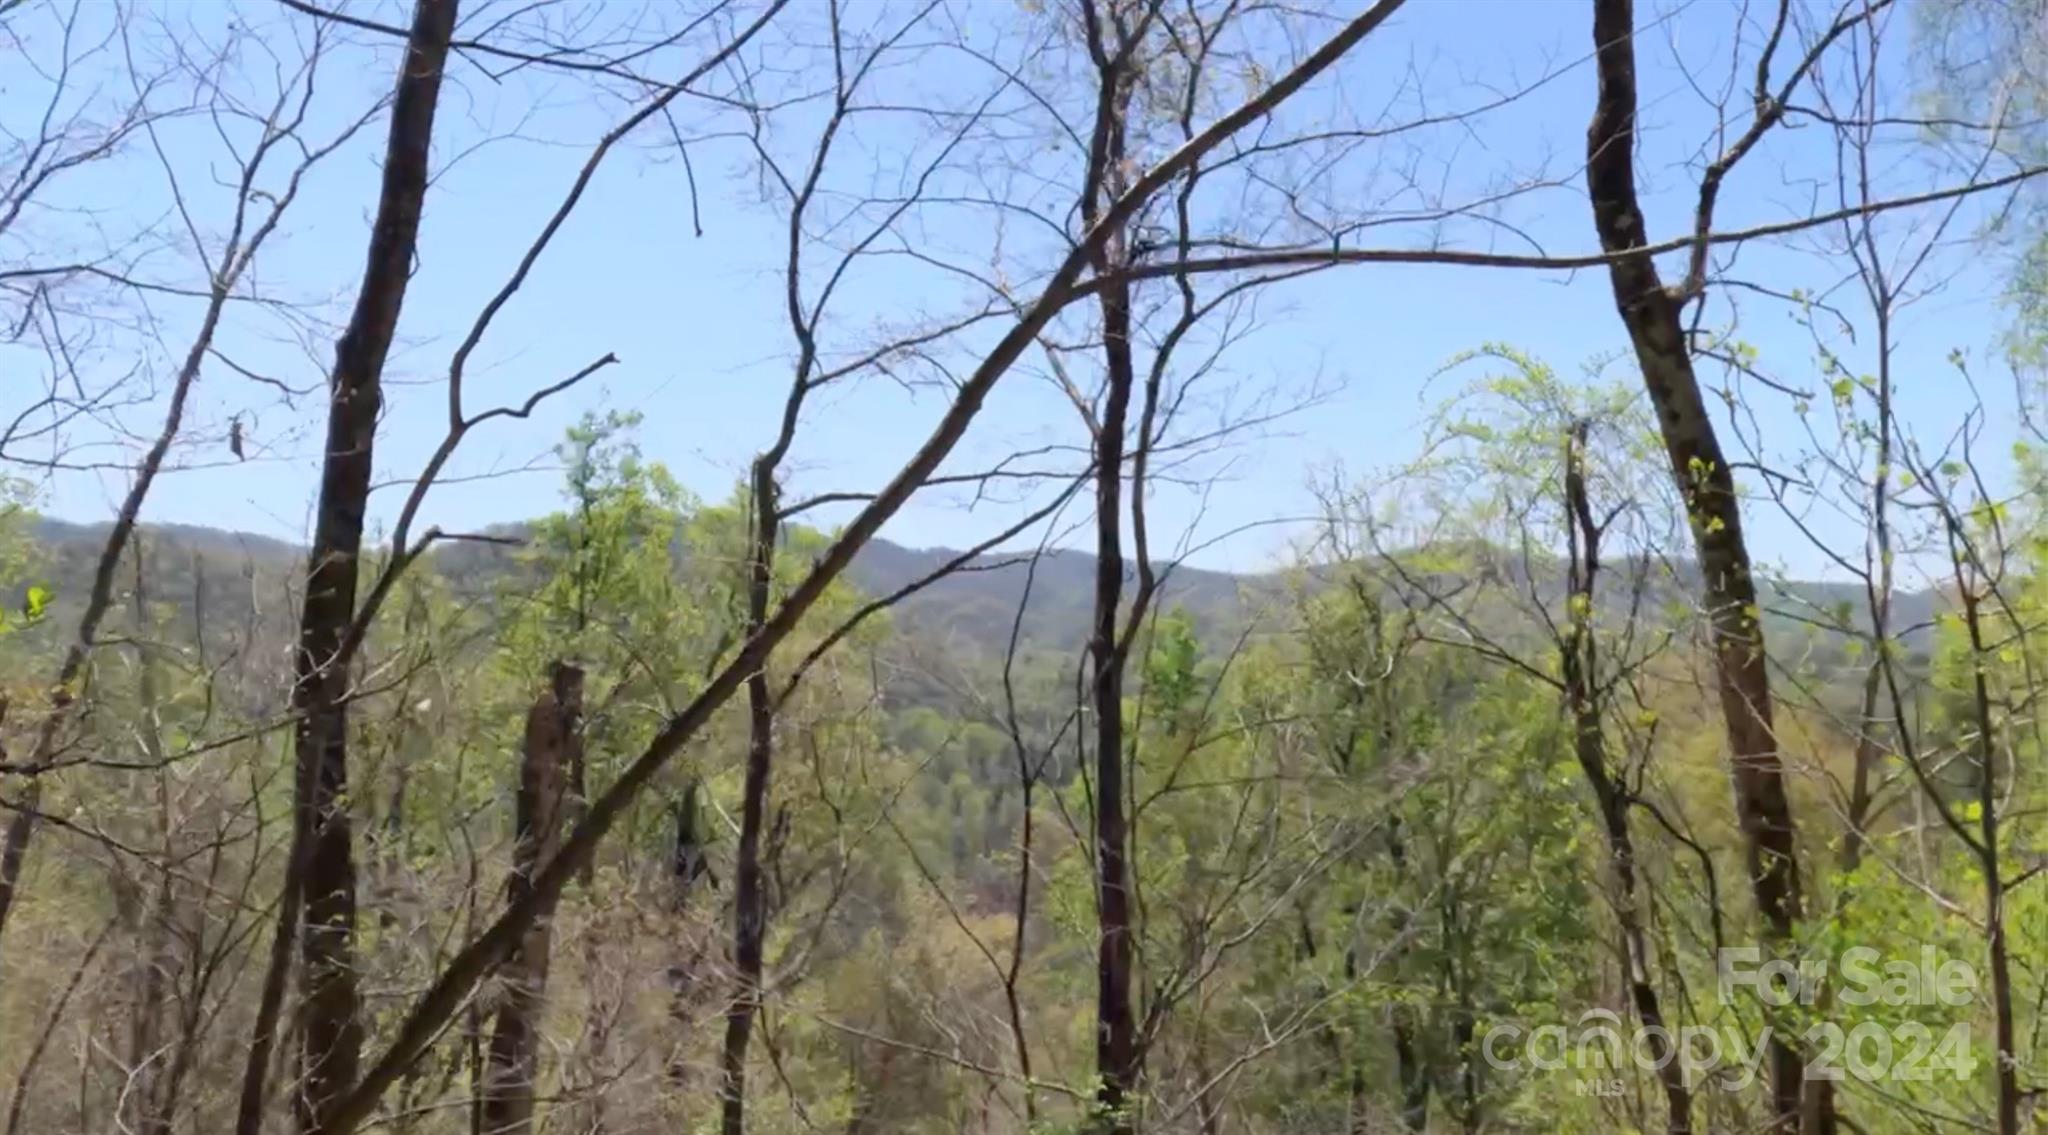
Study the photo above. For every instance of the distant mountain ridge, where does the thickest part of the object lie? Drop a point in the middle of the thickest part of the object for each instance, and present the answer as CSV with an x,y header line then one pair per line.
x,y
974,608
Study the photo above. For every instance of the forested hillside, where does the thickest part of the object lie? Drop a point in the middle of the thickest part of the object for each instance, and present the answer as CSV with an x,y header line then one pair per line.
x,y
970,610
1643,740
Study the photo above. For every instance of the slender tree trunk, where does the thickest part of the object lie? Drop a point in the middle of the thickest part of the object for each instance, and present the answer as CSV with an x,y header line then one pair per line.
x,y
154,951
1871,747
2004,1036
1652,314
554,729
320,876
2007,1077
1116,1047
1988,818
473,1054
135,897
1580,670
1111,44
1027,779
750,896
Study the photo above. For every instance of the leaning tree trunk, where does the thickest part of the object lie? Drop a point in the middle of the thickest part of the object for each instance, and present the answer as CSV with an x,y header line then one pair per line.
x,y
1653,315
554,731
321,875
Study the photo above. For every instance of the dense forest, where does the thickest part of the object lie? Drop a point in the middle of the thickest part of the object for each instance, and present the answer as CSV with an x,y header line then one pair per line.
x,y
1650,741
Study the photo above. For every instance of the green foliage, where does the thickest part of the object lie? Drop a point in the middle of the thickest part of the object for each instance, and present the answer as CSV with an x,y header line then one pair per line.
x,y
1359,818
16,554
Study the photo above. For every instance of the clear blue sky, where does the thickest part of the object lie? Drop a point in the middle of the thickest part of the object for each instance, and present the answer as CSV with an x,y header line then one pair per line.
x,y
697,322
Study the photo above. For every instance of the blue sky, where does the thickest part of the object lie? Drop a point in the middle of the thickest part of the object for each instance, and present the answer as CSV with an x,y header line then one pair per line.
x,y
696,321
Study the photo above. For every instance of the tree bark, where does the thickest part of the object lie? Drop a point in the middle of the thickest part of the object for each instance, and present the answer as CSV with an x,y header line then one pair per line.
x,y
750,897
1111,44
554,731
1115,1026
1652,314
320,876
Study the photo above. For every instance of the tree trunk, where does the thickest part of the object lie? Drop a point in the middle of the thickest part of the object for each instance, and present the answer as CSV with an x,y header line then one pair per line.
x,y
750,897
554,730
154,956
1580,671
2006,1060
1652,314
1116,1032
321,872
